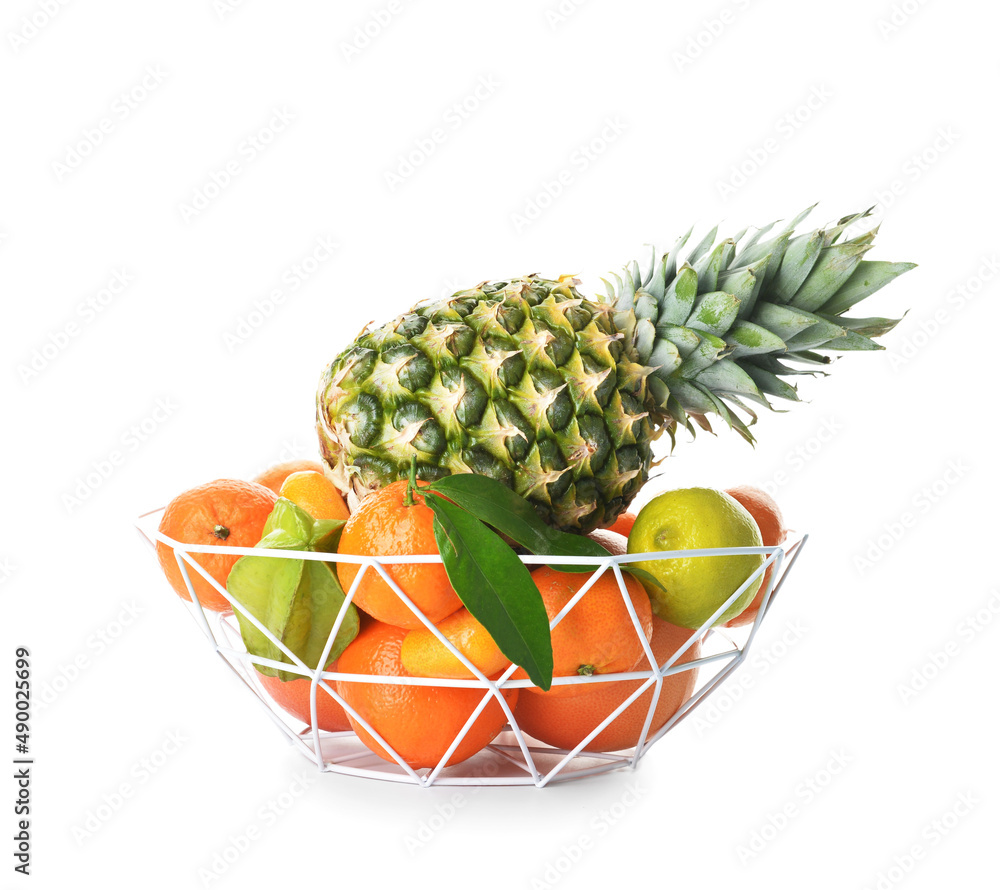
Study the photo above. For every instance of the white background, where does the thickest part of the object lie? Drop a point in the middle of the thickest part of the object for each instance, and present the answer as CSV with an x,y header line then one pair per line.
x,y
865,103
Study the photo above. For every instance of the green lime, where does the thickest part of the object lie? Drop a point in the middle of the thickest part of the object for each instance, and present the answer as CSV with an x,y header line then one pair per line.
x,y
694,587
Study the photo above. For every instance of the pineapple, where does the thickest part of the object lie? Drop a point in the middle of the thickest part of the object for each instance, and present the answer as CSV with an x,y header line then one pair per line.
x,y
560,396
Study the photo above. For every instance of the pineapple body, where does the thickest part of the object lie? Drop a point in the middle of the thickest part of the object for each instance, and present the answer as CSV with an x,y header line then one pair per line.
x,y
522,380
560,396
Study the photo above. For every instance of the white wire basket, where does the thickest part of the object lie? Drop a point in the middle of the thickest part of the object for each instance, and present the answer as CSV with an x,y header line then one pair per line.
x,y
513,757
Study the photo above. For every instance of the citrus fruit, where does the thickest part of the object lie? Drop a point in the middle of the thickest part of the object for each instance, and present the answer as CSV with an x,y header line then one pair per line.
x,y
597,635
623,524
275,475
418,722
313,491
223,513
565,722
384,525
424,655
695,587
767,515
293,697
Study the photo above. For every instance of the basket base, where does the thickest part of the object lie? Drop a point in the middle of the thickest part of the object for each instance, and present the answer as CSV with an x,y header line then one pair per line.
x,y
500,763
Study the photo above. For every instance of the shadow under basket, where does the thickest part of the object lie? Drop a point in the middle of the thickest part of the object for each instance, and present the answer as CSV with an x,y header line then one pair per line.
x,y
513,757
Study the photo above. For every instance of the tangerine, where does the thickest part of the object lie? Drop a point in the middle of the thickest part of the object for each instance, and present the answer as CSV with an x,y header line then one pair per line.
x,y
623,524
385,525
275,475
223,513
424,655
565,722
597,635
767,514
293,697
418,722
313,491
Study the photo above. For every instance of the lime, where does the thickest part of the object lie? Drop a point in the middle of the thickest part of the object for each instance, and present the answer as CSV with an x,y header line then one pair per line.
x,y
695,587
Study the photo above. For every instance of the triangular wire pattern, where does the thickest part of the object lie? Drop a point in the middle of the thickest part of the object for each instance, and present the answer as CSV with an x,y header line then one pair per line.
x,y
512,758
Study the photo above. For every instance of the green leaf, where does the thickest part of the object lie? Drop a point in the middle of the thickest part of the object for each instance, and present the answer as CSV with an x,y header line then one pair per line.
x,y
684,339
832,270
708,352
782,321
727,377
796,264
709,265
851,341
702,246
869,327
714,313
771,383
646,579
746,338
297,600
495,587
511,515
679,297
868,277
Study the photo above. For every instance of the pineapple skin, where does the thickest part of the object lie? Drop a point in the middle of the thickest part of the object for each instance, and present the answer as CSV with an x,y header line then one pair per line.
x,y
522,380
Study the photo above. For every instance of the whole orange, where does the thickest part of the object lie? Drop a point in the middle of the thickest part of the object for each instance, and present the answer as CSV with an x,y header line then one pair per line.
x,y
315,493
384,525
418,722
623,524
597,635
275,475
565,722
223,513
293,697
424,655
767,515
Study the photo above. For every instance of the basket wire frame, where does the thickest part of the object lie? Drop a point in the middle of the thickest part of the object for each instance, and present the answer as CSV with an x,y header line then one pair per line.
x,y
512,758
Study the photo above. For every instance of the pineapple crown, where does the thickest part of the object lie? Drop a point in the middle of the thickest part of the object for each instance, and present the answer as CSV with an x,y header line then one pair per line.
x,y
724,326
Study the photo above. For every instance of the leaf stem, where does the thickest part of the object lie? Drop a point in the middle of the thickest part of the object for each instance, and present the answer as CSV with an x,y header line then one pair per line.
x,y
412,484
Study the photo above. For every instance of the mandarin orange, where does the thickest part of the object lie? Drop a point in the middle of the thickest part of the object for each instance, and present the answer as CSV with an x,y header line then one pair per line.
x,y
275,475
384,525
293,697
418,722
565,722
767,515
223,513
315,493
597,636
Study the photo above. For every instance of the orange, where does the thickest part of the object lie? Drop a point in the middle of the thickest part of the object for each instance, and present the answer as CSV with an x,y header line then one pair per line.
x,y
313,491
623,524
383,525
597,635
275,475
424,655
293,697
565,722
418,722
767,515
223,513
